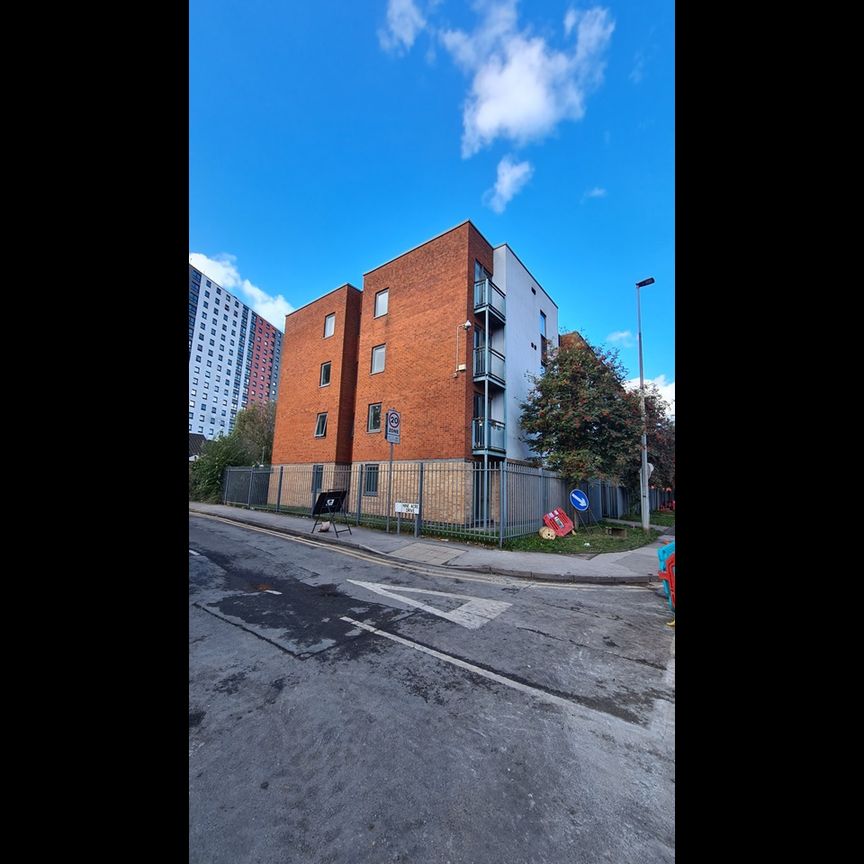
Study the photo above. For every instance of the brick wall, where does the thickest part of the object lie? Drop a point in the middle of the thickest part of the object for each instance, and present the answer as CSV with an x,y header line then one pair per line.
x,y
301,399
431,295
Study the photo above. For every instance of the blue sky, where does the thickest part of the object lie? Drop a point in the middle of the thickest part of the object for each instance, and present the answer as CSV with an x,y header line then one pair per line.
x,y
326,138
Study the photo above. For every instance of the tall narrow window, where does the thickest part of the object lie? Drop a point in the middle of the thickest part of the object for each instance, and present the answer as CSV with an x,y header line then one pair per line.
x,y
373,423
381,302
544,342
329,325
370,481
325,374
317,478
378,356
321,426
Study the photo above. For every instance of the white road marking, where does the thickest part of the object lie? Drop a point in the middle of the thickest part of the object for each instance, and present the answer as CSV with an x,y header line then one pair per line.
x,y
271,591
507,682
193,552
473,614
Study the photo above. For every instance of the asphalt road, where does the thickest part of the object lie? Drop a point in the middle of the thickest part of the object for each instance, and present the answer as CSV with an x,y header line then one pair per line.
x,y
514,723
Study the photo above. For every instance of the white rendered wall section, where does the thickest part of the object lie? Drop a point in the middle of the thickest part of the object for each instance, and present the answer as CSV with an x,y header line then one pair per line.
x,y
521,338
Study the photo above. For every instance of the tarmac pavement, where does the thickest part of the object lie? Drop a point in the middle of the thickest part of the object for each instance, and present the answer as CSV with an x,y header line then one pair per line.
x,y
632,566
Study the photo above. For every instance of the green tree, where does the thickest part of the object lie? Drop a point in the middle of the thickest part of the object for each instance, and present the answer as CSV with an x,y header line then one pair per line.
x,y
250,443
579,418
253,429
205,475
660,439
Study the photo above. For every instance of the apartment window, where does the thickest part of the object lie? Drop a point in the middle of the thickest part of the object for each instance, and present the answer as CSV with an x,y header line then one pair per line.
x,y
197,358
381,302
197,368
209,285
543,324
370,481
373,422
194,392
317,478
321,426
200,429
378,356
194,380
329,325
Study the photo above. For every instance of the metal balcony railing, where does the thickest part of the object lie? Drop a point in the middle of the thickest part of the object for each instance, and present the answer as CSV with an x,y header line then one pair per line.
x,y
488,435
487,293
489,362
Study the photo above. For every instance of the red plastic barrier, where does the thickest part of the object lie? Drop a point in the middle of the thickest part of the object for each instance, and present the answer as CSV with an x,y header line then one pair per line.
x,y
559,522
668,575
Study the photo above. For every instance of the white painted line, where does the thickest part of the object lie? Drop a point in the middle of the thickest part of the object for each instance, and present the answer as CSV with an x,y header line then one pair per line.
x,y
271,591
193,552
476,612
507,682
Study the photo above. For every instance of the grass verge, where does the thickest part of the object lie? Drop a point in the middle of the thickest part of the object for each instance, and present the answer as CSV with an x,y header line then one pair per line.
x,y
574,544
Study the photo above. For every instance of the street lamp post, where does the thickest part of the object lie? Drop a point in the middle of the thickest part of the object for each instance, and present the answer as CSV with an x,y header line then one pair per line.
x,y
643,473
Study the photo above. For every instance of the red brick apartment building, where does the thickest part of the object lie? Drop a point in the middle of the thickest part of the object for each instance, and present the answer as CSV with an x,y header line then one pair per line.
x,y
428,336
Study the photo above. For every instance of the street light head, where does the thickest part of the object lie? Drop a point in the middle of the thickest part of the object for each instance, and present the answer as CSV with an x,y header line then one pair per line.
x,y
644,282
467,325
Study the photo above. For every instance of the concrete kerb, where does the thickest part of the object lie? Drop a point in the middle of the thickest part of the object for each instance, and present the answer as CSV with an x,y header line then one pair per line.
x,y
480,568
282,529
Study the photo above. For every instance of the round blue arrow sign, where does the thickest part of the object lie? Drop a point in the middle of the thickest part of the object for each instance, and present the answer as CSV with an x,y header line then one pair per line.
x,y
579,499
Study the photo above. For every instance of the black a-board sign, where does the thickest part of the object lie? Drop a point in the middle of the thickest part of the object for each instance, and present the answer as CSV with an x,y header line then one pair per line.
x,y
329,504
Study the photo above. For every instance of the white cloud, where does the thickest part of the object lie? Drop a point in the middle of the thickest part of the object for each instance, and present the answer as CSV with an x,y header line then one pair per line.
x,y
625,337
404,22
521,87
223,271
666,388
512,176
596,192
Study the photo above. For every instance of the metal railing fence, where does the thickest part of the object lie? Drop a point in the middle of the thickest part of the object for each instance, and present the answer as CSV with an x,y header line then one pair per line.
x,y
453,498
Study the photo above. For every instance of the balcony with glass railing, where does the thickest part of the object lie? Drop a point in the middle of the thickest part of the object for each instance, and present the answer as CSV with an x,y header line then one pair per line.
x,y
488,294
488,435
489,363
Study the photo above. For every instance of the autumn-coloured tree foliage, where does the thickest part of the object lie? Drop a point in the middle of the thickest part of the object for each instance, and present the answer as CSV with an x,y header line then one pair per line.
x,y
579,418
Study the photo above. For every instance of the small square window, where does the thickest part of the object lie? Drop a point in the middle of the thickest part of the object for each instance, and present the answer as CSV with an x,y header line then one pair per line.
x,y
321,426
329,325
373,421
381,299
324,380
378,357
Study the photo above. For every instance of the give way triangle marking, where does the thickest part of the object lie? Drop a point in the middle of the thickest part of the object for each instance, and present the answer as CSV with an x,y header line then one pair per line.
x,y
473,614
